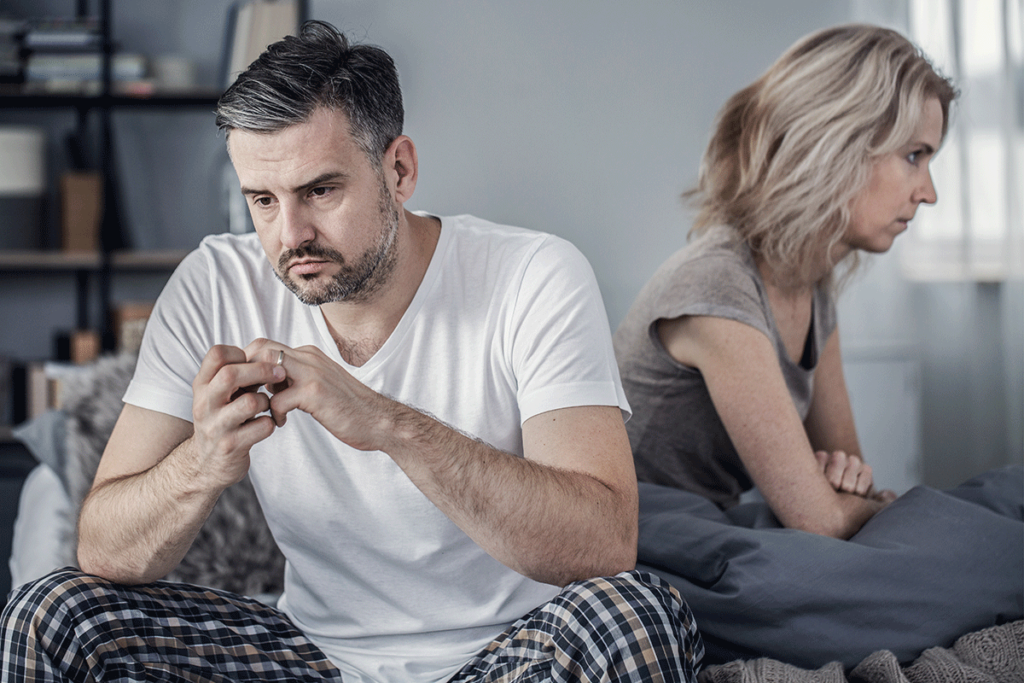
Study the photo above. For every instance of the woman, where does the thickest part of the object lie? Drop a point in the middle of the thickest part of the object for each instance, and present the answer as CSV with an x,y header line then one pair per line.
x,y
730,355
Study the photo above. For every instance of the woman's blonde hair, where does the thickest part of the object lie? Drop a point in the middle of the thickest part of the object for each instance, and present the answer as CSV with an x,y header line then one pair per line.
x,y
790,151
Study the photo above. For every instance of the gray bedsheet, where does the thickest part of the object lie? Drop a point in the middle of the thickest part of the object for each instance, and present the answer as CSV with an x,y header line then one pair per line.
x,y
929,568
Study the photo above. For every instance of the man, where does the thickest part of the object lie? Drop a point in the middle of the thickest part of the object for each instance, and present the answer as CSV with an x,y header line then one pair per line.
x,y
421,546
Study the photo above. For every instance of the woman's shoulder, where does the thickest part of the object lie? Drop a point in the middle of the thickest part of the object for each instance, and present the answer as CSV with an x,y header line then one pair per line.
x,y
714,259
714,274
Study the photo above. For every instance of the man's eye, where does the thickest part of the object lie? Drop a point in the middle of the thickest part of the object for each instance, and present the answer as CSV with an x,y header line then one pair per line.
x,y
319,191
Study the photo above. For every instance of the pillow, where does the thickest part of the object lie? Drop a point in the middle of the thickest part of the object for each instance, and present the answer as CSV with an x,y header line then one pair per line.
x,y
44,438
233,551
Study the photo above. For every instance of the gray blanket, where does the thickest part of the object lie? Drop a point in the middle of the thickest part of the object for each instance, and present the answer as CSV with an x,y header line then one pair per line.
x,y
992,655
931,567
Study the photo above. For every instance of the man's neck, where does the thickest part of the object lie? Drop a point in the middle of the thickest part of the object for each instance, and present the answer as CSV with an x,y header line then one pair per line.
x,y
360,328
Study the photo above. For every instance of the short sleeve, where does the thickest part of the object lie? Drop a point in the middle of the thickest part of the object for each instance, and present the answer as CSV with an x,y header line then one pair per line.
x,y
719,284
175,341
561,343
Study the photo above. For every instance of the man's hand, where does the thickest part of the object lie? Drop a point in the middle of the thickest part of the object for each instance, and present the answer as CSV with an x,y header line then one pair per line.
x,y
226,411
317,385
567,510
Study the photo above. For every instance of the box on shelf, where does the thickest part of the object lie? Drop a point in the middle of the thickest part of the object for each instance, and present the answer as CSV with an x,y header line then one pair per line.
x,y
129,323
81,208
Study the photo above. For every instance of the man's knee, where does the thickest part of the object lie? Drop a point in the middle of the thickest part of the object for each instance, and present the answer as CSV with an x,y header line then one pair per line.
x,y
636,600
632,626
47,602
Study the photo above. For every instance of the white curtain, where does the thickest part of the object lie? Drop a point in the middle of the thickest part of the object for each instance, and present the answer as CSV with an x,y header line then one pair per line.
x,y
976,232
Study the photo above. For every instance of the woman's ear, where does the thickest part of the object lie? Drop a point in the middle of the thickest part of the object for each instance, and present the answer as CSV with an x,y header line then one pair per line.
x,y
402,165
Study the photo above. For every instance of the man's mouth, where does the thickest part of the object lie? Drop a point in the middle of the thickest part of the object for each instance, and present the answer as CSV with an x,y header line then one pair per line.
x,y
307,267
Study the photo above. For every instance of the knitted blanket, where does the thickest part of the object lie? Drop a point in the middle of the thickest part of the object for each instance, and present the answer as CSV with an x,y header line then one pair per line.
x,y
992,655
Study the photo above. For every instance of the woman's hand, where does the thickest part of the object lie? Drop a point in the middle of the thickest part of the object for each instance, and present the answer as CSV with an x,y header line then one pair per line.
x,y
850,474
846,473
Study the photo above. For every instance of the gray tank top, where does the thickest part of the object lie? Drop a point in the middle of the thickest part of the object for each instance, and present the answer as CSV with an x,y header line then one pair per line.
x,y
676,435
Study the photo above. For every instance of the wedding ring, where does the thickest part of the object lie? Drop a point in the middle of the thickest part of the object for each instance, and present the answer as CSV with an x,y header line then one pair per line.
x,y
280,358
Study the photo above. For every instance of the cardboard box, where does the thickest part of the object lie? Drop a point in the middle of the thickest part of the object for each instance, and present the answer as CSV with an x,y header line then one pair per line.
x,y
81,209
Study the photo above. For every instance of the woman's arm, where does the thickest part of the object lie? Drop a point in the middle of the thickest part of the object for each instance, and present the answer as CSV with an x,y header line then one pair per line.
x,y
830,426
742,373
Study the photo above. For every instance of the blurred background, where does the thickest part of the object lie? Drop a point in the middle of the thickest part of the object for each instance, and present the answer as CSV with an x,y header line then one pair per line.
x,y
587,119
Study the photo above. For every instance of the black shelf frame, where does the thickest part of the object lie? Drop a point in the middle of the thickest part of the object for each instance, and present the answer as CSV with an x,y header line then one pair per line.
x,y
113,236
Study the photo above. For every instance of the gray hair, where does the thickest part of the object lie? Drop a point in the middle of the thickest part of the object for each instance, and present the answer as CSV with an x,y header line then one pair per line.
x,y
791,151
316,69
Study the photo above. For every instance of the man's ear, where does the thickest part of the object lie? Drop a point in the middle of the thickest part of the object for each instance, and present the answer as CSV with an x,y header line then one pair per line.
x,y
402,165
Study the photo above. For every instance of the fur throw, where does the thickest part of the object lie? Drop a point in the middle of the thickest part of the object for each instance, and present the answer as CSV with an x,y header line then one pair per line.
x,y
234,550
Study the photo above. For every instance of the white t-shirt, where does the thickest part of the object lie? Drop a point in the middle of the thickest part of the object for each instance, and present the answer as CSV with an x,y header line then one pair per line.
x,y
507,323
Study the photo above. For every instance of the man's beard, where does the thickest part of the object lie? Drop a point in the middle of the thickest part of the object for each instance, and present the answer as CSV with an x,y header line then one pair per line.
x,y
355,282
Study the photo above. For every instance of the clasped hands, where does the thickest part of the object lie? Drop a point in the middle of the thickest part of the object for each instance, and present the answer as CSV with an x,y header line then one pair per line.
x,y
848,473
231,414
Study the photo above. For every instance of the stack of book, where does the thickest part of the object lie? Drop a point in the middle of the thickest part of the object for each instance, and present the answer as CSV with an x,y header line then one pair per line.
x,y
66,55
11,33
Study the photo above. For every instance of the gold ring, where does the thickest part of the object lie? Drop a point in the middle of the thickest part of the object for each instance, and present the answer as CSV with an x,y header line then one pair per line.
x,y
280,358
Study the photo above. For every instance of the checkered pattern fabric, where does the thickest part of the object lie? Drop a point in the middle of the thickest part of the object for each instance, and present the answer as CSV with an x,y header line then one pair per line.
x,y
71,626
630,627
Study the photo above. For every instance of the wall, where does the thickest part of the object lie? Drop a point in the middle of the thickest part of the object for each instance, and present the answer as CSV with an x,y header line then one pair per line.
x,y
585,118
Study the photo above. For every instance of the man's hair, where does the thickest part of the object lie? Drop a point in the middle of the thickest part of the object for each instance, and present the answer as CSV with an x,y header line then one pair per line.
x,y
790,151
318,68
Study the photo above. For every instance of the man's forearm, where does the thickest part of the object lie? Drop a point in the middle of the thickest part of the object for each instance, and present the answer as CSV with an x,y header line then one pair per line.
x,y
135,529
550,524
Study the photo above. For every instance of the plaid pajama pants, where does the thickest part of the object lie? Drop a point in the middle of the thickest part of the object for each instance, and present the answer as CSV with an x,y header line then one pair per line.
x,y
71,626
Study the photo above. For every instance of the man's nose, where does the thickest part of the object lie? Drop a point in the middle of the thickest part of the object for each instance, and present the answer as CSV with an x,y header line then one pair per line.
x,y
296,225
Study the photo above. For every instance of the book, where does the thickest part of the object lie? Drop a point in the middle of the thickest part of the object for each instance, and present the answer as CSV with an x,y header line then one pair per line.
x,y
63,34
76,66
257,24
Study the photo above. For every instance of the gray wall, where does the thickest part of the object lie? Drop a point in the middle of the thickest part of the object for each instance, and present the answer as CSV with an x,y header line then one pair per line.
x,y
585,118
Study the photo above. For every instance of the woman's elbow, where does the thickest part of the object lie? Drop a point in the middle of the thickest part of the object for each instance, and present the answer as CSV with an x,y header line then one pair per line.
x,y
842,520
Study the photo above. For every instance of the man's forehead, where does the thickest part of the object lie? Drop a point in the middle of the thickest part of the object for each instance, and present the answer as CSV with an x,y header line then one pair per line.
x,y
323,127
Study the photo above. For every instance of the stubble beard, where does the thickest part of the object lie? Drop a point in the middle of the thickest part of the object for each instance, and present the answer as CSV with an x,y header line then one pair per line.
x,y
354,282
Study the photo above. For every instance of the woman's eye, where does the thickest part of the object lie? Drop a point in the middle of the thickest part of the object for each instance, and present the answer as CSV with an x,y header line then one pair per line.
x,y
914,156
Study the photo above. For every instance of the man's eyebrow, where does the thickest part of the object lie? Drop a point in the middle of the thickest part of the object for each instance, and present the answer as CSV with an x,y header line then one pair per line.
x,y
330,176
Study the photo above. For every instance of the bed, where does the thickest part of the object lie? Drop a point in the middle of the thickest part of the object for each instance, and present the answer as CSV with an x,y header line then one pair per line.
x,y
932,588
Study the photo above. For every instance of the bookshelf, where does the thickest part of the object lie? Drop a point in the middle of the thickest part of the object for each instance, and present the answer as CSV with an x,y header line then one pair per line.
x,y
74,290
87,276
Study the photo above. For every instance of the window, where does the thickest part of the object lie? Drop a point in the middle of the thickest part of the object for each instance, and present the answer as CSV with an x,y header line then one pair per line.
x,y
976,232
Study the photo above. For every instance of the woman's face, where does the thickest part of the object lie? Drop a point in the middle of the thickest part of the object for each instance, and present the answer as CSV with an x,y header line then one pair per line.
x,y
898,183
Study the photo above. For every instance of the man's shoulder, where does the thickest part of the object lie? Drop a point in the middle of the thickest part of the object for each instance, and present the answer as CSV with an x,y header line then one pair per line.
x,y
244,246
473,234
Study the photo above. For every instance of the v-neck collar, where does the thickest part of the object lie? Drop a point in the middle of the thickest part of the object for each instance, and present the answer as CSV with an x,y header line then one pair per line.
x,y
394,340
809,353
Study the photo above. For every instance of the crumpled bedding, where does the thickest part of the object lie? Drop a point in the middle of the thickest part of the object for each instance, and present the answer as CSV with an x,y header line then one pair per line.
x,y
992,655
929,568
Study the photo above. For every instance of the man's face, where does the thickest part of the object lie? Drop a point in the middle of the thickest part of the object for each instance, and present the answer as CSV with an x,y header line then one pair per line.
x,y
324,214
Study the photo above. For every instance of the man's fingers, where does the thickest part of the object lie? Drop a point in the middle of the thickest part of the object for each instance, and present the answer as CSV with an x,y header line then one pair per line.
x,y
244,377
215,359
